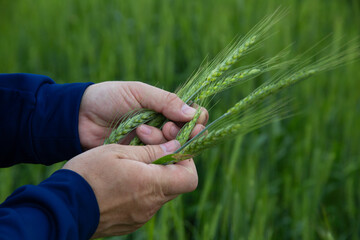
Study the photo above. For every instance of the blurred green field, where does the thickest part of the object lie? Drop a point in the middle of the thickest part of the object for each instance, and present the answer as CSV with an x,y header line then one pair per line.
x,y
293,179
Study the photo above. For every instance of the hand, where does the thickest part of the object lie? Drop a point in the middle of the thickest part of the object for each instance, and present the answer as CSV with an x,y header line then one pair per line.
x,y
129,189
105,102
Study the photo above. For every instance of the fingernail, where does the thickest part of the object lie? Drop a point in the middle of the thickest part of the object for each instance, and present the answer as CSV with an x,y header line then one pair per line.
x,y
187,110
174,131
171,146
145,129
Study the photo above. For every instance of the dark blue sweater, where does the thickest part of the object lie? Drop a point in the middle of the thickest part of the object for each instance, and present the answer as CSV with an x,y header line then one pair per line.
x,y
39,124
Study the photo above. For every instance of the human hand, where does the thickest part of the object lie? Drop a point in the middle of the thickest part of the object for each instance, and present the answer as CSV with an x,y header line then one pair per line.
x,y
108,101
129,190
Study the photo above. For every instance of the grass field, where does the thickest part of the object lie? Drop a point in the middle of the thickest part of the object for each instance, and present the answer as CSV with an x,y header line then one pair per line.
x,y
293,179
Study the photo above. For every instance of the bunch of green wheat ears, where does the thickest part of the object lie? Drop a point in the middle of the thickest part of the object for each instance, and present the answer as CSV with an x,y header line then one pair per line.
x,y
255,110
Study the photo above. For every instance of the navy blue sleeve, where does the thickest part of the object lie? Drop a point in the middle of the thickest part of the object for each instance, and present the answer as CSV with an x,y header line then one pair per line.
x,y
61,207
39,119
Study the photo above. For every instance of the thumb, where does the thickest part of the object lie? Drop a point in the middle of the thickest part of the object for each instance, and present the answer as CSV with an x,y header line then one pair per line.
x,y
149,153
167,103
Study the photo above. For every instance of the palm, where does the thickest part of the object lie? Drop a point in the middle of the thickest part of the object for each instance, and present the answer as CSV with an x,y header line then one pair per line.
x,y
100,107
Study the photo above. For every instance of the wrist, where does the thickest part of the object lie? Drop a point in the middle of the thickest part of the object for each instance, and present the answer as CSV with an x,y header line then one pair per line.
x,y
55,126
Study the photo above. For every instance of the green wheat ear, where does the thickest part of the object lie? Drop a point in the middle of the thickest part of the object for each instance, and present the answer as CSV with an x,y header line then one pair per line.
x,y
244,74
253,111
209,140
211,72
207,83
186,130
248,114
132,121
224,129
206,76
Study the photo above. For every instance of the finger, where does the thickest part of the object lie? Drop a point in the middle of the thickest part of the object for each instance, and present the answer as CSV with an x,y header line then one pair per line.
x,y
198,128
127,139
167,103
149,153
150,135
170,130
178,178
204,117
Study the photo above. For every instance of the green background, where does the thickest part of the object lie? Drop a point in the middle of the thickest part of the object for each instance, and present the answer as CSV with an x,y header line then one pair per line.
x,y
293,179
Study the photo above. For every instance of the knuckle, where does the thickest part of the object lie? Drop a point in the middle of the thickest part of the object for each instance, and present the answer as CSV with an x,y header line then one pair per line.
x,y
171,98
170,105
115,149
135,89
150,152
